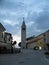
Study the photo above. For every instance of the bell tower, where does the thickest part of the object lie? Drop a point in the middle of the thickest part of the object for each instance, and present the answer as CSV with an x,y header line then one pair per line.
x,y
23,35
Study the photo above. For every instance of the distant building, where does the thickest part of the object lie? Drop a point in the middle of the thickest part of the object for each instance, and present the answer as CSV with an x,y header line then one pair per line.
x,y
41,41
5,39
23,35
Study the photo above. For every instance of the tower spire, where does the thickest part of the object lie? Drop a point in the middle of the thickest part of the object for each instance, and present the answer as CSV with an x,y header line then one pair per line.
x,y
23,19
23,24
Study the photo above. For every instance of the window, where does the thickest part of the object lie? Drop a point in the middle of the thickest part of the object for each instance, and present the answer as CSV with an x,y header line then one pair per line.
x,y
9,38
23,47
44,34
40,42
44,39
2,35
23,28
5,39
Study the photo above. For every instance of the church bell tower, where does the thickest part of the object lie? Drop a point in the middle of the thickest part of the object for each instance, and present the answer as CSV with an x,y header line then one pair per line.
x,y
23,35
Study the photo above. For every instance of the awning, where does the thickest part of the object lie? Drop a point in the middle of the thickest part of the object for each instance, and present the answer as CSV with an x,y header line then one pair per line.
x,y
3,44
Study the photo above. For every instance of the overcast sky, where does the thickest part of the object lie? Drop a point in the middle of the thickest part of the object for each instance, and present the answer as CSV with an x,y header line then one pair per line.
x,y
35,12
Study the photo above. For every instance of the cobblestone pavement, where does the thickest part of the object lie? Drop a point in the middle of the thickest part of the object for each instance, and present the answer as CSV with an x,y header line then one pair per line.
x,y
27,57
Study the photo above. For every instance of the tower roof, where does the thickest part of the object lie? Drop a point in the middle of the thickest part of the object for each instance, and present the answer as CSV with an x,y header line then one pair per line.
x,y
23,24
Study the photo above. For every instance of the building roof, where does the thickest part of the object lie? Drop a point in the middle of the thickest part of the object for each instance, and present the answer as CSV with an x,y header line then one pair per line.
x,y
2,44
8,33
38,37
29,38
2,27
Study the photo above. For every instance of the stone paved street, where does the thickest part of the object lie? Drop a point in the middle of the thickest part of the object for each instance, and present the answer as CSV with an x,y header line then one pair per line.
x,y
28,57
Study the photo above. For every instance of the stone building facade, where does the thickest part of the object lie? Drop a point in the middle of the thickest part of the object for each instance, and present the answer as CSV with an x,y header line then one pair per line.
x,y
41,41
5,39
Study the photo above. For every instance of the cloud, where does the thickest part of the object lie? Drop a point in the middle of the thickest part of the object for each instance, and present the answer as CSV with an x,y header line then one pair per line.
x,y
16,38
9,22
43,20
28,24
32,29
